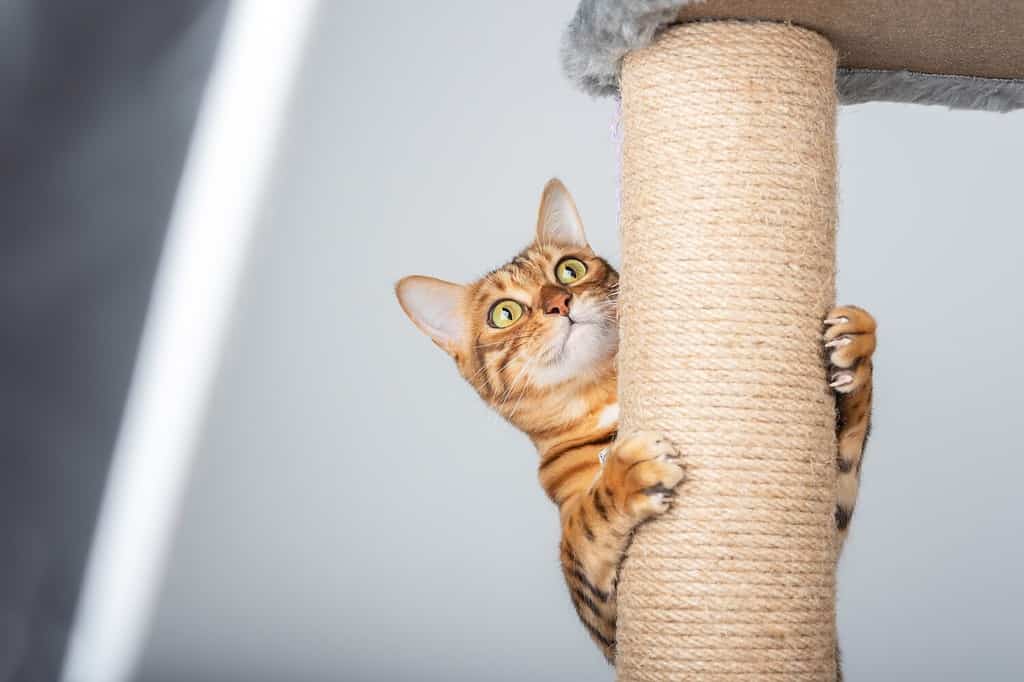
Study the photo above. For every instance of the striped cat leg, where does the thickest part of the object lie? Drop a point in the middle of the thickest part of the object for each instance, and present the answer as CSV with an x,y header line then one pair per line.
x,y
637,482
849,344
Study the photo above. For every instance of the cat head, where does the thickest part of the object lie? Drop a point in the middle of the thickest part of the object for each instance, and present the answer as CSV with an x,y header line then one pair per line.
x,y
545,319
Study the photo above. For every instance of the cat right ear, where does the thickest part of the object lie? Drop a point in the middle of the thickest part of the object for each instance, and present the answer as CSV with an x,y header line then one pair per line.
x,y
435,306
558,221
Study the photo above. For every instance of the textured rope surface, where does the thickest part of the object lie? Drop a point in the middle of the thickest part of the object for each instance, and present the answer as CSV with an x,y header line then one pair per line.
x,y
728,221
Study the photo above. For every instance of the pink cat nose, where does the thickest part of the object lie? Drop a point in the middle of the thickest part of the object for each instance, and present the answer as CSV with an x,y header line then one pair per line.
x,y
555,301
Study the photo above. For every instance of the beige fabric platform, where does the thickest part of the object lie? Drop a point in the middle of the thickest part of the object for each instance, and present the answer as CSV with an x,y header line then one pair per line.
x,y
979,38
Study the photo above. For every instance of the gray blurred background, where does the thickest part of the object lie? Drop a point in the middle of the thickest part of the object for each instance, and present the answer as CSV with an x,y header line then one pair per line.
x,y
356,513
99,100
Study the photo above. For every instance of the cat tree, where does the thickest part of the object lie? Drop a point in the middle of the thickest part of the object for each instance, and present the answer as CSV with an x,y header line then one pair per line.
x,y
728,216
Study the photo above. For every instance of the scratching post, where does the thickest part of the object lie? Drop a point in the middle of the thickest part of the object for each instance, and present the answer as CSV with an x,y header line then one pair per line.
x,y
728,222
728,217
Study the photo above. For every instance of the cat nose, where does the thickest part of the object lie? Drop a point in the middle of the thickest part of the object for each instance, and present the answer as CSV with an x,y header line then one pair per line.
x,y
555,301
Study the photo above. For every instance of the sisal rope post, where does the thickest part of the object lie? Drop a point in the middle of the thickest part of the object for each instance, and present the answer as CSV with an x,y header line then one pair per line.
x,y
728,223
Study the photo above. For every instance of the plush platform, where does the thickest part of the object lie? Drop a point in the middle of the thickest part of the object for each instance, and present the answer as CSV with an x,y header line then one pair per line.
x,y
965,54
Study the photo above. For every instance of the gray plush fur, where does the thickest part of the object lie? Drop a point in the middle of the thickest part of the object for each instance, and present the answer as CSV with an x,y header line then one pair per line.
x,y
956,92
603,31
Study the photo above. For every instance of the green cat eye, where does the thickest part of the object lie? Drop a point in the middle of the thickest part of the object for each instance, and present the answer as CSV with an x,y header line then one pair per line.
x,y
569,270
505,313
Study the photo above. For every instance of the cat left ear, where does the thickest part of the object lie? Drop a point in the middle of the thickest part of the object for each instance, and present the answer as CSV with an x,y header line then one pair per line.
x,y
558,221
435,306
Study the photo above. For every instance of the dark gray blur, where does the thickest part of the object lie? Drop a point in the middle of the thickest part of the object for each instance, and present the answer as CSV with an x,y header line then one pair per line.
x,y
99,98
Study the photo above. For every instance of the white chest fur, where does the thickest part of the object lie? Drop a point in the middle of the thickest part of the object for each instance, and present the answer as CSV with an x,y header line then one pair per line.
x,y
608,416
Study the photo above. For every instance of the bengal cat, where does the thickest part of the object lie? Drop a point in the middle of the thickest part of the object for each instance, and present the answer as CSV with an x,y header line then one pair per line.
x,y
537,338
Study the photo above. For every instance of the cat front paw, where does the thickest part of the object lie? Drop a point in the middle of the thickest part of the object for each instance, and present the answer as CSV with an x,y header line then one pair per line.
x,y
849,344
641,474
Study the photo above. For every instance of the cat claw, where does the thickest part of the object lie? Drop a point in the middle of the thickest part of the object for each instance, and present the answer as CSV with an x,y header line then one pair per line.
x,y
848,340
841,379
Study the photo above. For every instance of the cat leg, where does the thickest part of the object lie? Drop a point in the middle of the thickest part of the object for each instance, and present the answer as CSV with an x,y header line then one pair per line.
x,y
849,345
637,482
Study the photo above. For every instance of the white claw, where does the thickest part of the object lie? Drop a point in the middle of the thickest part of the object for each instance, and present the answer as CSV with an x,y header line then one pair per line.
x,y
839,341
837,320
841,380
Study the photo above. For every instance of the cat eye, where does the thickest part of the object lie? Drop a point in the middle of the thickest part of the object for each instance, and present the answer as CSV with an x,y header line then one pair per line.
x,y
569,270
505,313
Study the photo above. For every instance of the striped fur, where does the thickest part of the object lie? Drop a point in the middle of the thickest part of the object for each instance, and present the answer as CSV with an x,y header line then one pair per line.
x,y
552,374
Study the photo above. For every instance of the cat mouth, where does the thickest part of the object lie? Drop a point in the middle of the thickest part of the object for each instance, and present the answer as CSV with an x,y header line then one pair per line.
x,y
574,348
574,328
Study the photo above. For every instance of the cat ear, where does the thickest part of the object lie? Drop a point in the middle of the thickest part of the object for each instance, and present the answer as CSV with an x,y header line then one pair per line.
x,y
558,221
435,306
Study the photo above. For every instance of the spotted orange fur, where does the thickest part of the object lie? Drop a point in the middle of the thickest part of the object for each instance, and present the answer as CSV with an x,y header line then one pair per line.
x,y
537,339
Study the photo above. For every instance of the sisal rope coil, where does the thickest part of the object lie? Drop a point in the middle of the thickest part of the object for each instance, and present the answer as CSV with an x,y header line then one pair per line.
x,y
728,233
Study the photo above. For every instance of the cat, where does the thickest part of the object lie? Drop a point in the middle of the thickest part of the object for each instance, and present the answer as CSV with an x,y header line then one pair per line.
x,y
537,339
